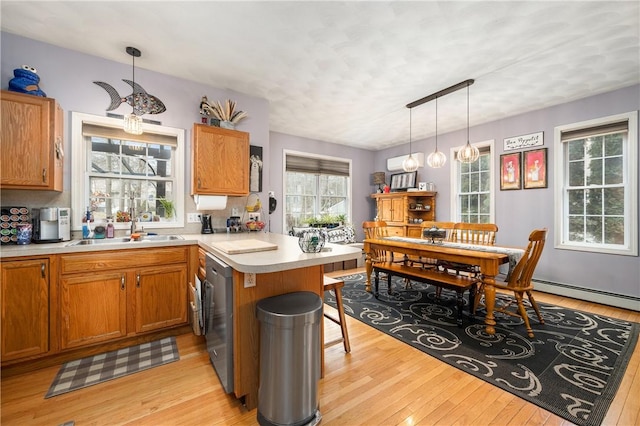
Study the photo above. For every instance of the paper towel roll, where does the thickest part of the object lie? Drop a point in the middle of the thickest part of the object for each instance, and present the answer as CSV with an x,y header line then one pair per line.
x,y
210,202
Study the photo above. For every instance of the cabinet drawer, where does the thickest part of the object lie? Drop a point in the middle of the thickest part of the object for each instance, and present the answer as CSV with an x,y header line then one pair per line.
x,y
414,231
106,260
395,231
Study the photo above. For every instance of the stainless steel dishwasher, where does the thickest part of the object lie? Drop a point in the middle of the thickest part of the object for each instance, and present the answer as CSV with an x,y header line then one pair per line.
x,y
217,306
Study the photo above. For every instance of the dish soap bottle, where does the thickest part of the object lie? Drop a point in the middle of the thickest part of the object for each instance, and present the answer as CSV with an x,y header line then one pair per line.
x,y
110,229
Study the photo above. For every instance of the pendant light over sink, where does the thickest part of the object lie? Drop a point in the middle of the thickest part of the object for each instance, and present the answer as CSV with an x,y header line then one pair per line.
x,y
133,122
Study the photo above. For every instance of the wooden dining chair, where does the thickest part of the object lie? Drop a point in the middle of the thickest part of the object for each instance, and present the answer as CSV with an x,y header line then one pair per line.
x,y
471,233
372,230
475,233
520,281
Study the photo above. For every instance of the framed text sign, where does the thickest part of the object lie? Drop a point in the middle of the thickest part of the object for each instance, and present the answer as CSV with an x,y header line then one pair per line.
x,y
524,141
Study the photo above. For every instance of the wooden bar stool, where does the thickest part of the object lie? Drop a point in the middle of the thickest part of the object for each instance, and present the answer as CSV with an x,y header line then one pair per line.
x,y
336,286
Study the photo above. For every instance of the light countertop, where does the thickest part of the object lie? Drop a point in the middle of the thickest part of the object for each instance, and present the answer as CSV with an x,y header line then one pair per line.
x,y
288,255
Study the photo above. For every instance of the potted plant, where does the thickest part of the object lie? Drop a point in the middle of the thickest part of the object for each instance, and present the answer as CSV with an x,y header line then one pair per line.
x,y
326,221
168,207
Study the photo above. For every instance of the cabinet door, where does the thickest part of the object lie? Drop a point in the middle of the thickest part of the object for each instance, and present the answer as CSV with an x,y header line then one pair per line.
x,y
93,308
398,209
25,140
220,161
25,308
161,297
391,209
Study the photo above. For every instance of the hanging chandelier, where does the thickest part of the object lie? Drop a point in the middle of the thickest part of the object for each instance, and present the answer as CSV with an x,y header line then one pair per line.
x,y
410,164
468,154
133,122
437,158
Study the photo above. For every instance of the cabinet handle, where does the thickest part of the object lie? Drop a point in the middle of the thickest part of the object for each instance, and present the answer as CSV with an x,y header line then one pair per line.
x,y
199,183
43,270
138,280
122,283
59,151
44,175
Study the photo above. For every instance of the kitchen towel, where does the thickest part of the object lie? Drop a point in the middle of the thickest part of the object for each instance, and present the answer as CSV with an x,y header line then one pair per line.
x,y
210,202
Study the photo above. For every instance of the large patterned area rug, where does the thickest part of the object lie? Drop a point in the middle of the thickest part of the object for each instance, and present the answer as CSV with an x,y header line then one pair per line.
x,y
572,367
111,365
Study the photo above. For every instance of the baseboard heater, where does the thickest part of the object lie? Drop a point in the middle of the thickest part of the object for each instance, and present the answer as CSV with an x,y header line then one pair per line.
x,y
588,294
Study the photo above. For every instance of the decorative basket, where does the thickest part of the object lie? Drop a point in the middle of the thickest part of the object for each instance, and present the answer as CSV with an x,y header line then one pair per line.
x,y
311,242
435,235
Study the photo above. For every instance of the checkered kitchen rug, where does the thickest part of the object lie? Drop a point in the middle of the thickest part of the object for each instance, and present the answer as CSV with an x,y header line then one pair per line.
x,y
111,365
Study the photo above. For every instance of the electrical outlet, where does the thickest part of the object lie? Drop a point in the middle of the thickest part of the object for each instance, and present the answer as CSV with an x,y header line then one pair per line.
x,y
235,211
249,279
193,218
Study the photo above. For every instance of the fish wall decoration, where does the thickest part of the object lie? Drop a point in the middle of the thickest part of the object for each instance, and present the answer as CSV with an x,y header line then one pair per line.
x,y
139,99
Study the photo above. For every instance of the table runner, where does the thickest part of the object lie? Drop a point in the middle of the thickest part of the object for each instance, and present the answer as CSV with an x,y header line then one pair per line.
x,y
514,253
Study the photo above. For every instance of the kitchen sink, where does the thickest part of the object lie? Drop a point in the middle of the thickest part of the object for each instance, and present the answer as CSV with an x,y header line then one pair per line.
x,y
145,238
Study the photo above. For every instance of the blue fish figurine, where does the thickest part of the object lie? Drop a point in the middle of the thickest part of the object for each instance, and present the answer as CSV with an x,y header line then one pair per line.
x,y
140,100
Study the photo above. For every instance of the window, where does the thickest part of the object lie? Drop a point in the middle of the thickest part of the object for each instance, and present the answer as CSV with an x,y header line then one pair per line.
x,y
315,186
114,171
597,185
473,187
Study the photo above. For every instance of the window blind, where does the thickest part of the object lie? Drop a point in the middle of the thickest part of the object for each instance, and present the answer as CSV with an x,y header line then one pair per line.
x,y
119,134
621,126
297,163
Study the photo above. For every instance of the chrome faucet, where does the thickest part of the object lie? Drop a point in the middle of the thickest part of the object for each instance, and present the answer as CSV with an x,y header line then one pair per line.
x,y
132,214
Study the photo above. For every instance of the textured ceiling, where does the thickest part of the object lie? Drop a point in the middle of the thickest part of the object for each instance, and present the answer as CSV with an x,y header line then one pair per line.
x,y
343,71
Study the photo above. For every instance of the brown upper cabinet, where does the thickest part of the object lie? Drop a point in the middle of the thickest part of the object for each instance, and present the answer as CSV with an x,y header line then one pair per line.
x,y
32,145
220,160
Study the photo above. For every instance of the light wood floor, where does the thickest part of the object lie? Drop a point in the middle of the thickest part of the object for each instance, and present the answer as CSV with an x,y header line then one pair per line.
x,y
381,382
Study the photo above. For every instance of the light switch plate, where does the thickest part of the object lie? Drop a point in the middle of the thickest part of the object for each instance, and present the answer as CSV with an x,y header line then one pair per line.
x,y
193,218
249,280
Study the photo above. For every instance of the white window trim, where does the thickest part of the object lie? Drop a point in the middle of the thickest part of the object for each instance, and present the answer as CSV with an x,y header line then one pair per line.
x,y
79,174
630,186
455,185
286,152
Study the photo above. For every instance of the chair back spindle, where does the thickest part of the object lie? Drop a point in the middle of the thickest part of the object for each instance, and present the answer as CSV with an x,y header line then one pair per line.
x,y
475,233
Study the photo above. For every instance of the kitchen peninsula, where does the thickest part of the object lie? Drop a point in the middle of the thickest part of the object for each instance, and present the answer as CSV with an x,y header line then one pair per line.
x,y
283,270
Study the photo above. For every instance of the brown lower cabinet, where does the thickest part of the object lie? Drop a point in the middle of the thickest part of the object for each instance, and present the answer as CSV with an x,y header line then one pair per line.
x,y
121,293
59,304
25,308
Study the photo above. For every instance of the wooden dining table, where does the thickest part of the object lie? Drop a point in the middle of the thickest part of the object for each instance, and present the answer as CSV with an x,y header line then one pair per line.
x,y
488,261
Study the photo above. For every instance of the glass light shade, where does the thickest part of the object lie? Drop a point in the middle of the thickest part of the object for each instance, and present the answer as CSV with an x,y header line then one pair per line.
x,y
468,154
436,159
410,164
133,124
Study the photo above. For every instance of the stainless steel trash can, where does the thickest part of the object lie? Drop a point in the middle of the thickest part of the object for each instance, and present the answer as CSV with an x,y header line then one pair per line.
x,y
289,359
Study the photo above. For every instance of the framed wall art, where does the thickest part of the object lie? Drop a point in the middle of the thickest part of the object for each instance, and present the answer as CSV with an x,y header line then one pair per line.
x,y
510,173
534,164
403,181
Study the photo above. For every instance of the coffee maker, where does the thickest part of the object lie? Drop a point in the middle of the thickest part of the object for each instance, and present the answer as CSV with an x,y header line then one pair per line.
x,y
206,224
51,224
